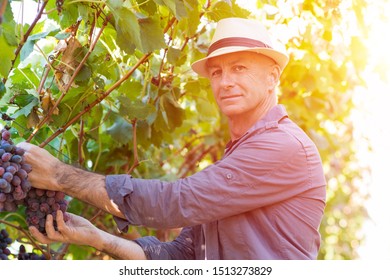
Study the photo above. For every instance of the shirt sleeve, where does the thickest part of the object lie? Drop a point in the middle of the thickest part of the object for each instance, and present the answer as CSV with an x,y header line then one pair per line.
x,y
182,248
263,170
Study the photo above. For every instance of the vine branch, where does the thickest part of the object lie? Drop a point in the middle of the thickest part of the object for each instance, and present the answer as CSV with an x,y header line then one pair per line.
x,y
75,73
97,101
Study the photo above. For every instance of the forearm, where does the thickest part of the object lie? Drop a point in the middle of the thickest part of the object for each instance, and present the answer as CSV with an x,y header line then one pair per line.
x,y
86,186
117,247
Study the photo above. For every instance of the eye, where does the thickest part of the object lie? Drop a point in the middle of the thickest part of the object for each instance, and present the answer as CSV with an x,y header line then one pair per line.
x,y
239,68
215,72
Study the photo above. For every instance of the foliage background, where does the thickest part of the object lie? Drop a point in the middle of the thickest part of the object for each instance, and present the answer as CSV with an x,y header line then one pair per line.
x,y
107,86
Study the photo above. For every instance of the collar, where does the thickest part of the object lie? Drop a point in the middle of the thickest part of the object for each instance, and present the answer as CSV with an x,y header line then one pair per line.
x,y
270,120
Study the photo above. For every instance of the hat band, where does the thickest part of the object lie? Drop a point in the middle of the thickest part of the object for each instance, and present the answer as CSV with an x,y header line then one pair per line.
x,y
237,42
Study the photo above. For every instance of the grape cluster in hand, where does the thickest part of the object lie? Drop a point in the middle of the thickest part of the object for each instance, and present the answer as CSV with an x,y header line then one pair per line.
x,y
40,203
15,189
5,240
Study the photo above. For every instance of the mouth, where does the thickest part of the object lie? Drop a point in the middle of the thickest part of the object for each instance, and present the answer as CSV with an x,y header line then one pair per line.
x,y
231,96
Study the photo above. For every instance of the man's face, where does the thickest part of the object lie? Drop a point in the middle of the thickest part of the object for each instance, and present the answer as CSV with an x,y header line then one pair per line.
x,y
241,82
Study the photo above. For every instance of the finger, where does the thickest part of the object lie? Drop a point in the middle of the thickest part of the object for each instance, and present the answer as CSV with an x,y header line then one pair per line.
x,y
39,236
49,226
24,145
60,221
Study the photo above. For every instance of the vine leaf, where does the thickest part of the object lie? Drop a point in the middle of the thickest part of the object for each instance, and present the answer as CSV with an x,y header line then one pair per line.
x,y
128,30
28,46
135,109
121,131
6,56
152,34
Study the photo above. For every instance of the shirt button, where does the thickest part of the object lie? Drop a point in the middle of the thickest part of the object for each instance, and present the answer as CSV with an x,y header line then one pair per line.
x,y
229,176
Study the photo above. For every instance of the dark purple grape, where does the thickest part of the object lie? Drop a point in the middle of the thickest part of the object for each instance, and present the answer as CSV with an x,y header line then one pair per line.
x,y
16,181
8,176
8,188
11,169
40,192
7,147
27,167
19,151
16,159
44,207
2,170
10,206
6,135
26,186
60,196
50,193
6,157
3,183
22,174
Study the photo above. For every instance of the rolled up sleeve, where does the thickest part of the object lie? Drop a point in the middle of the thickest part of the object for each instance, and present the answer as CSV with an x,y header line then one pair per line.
x,y
182,248
118,188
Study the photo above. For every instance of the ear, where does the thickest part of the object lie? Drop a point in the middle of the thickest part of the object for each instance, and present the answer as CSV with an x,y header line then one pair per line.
x,y
273,76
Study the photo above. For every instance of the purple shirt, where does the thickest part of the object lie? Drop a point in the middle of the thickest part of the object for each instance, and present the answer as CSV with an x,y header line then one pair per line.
x,y
263,200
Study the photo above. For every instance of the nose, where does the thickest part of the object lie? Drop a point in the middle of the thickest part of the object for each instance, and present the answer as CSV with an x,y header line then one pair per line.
x,y
226,80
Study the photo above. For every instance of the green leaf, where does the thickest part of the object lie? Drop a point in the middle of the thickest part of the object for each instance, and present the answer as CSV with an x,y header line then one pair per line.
x,y
121,131
128,30
173,55
225,9
26,110
192,21
6,56
68,15
147,6
171,111
152,34
84,74
180,11
28,46
2,89
135,109
62,35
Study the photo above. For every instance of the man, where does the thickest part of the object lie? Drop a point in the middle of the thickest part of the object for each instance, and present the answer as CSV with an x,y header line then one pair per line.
x,y
263,200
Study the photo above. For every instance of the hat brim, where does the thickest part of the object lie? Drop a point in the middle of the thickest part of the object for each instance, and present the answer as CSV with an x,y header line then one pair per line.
x,y
200,66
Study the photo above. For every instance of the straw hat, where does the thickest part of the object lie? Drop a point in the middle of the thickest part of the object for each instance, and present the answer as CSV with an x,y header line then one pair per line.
x,y
239,34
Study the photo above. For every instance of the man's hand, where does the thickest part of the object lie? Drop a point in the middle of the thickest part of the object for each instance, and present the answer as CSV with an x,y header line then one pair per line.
x,y
44,167
76,230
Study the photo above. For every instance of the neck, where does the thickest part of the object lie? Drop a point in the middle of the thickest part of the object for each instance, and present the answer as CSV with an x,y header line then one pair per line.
x,y
239,125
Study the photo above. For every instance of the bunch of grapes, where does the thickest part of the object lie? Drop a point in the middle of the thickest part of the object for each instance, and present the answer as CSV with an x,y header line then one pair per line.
x,y
15,189
40,203
14,185
23,255
5,240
